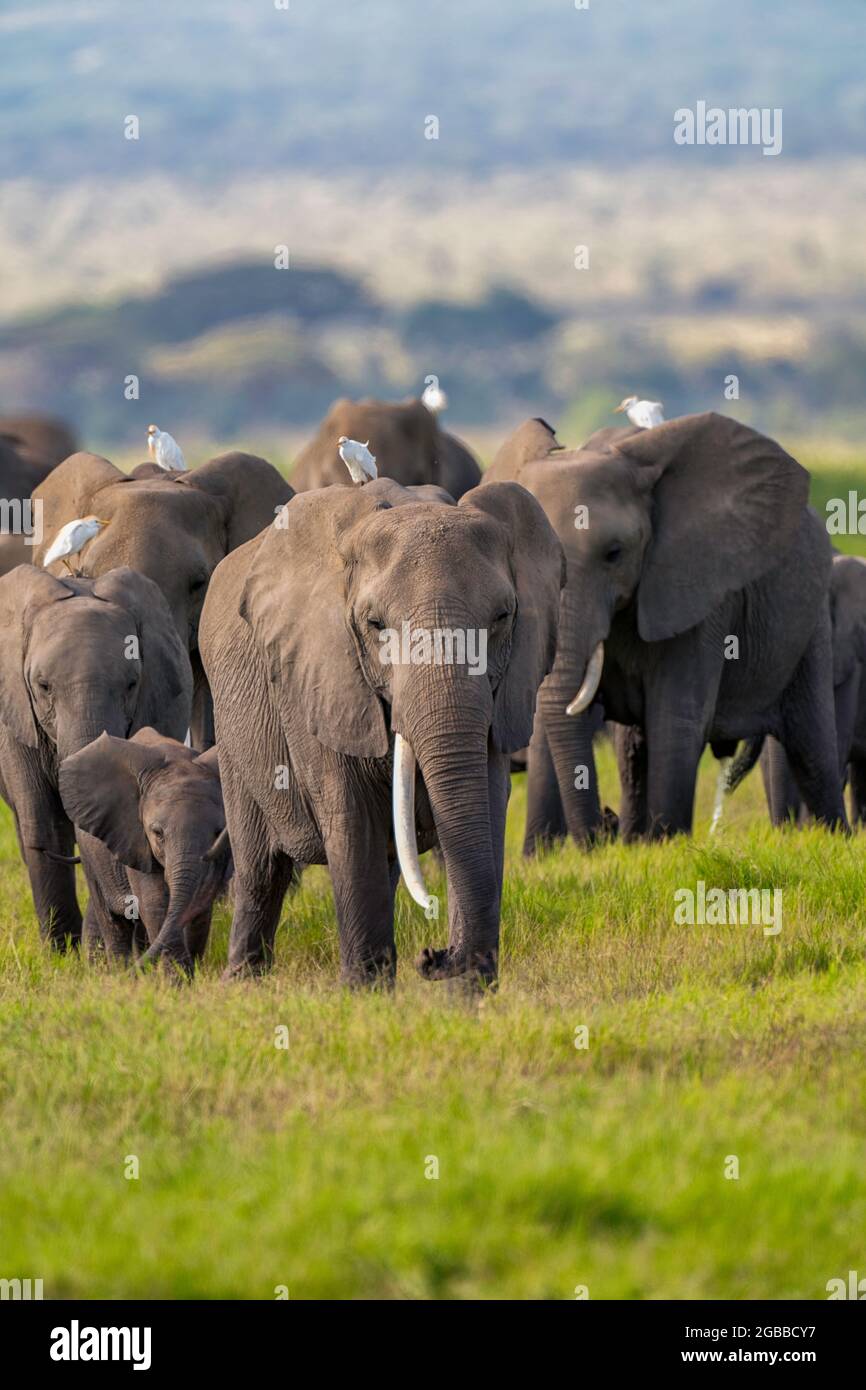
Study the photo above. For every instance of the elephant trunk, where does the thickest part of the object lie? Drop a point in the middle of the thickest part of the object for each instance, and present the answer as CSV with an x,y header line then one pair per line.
x,y
92,716
569,740
192,883
452,752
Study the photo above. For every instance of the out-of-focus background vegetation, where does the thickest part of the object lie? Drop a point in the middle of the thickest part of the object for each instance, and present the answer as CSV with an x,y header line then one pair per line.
x,y
262,127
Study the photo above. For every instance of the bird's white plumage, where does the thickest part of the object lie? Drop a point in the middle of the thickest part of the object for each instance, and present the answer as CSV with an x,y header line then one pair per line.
x,y
358,459
164,450
644,414
434,398
72,538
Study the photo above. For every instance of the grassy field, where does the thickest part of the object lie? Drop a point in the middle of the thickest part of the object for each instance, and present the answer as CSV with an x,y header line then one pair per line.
x,y
305,1167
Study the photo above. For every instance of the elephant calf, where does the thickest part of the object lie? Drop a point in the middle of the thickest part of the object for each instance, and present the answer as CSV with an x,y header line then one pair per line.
x,y
157,808
319,642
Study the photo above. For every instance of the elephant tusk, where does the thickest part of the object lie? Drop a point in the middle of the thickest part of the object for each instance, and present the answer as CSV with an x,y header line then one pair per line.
x,y
586,694
404,823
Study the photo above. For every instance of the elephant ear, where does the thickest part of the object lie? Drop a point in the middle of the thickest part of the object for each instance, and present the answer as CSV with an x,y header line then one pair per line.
x,y
69,491
21,591
249,490
100,788
165,693
848,612
209,760
539,570
294,600
727,502
534,439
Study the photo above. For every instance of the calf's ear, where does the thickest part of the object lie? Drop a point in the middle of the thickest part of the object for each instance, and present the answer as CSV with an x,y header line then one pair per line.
x,y
101,786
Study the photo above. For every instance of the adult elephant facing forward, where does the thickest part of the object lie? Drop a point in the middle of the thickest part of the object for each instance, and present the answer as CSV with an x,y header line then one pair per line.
x,y
313,700
175,530
696,610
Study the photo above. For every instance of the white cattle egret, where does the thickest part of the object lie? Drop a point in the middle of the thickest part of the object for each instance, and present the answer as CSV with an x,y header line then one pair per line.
x,y
644,414
165,451
72,538
434,398
358,459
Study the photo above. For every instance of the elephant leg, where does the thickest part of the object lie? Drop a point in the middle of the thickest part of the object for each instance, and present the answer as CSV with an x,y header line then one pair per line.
x,y
808,732
857,781
259,890
116,931
91,935
357,851
674,747
196,934
201,727
53,887
780,786
545,817
631,758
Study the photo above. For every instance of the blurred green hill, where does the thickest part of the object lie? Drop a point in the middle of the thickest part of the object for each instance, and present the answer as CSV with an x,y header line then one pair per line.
x,y
243,348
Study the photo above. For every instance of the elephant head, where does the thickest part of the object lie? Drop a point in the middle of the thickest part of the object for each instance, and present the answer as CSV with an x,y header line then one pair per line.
x,y
382,610
155,804
405,439
83,656
175,530
668,520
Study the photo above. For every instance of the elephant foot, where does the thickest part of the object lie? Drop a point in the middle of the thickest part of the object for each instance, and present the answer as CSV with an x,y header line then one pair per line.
x,y
178,966
379,974
245,970
475,969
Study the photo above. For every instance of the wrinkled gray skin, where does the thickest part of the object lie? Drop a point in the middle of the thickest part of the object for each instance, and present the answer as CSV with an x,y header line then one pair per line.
x,y
405,439
39,438
306,709
173,528
156,807
848,617
30,446
698,530
68,672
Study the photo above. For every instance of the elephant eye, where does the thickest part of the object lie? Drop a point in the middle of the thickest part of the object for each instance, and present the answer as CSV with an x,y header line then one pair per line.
x,y
43,685
501,617
196,585
613,553
157,832
376,623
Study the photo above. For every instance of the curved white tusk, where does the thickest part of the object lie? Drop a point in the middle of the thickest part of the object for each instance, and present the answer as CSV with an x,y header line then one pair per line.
x,y
586,694
404,823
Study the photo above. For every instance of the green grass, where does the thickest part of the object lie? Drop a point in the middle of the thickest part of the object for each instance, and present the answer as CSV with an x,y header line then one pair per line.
x,y
558,1167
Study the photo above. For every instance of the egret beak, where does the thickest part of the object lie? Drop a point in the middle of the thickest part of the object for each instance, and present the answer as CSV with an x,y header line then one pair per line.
x,y
620,408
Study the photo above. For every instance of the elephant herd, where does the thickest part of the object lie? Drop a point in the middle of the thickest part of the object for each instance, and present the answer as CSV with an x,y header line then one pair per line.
x,y
242,677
